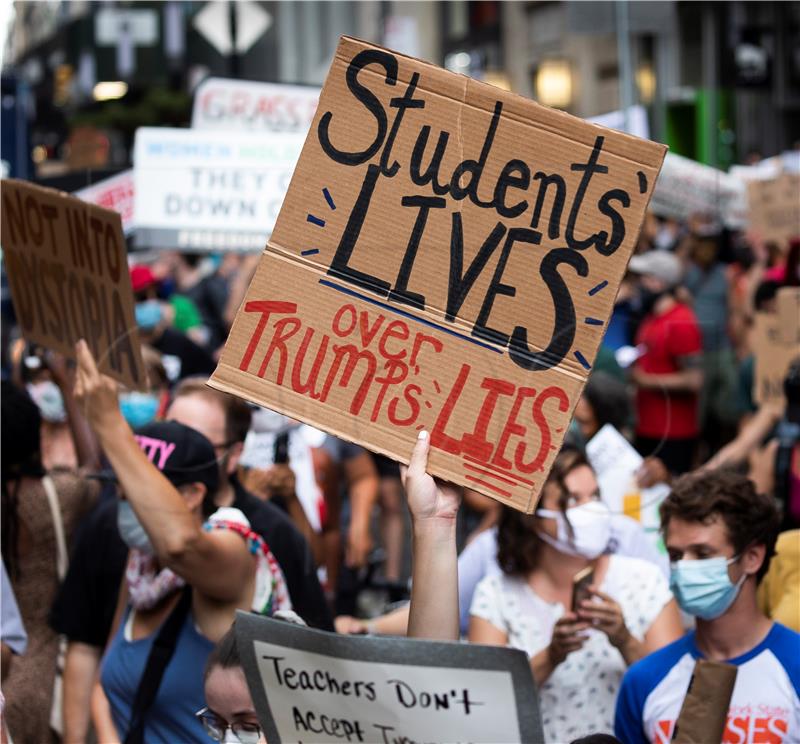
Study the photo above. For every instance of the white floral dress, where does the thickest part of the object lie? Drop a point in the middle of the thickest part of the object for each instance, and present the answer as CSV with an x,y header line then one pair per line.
x,y
579,697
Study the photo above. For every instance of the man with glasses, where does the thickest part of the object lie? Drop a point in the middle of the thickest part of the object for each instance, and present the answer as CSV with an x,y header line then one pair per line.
x,y
720,535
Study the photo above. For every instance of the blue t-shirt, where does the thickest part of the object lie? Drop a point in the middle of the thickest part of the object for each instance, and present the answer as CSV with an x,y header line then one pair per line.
x,y
171,718
765,705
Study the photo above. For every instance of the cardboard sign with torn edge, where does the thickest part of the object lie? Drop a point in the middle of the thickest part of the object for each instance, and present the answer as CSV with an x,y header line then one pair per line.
x,y
309,685
67,268
446,258
774,208
776,344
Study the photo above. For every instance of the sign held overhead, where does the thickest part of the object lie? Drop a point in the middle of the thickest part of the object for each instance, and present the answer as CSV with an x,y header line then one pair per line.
x,y
446,258
68,271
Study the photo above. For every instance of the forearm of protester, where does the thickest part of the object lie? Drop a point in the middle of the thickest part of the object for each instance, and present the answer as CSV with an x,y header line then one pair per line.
x,y
87,447
687,380
434,589
394,623
749,438
364,485
81,665
104,728
216,564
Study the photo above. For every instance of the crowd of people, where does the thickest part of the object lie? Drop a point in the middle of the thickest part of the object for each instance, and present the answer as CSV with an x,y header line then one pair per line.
x,y
136,523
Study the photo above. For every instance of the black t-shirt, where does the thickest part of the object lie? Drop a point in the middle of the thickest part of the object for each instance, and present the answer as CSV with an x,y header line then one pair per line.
x,y
293,554
194,360
85,604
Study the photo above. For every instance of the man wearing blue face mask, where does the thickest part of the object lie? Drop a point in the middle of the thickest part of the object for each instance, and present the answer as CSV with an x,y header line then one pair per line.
x,y
720,535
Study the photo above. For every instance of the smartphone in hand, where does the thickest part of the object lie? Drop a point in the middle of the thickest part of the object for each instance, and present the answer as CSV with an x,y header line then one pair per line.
x,y
580,586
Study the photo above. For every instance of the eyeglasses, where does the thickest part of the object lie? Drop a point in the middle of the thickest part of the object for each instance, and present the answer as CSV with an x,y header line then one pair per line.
x,y
217,728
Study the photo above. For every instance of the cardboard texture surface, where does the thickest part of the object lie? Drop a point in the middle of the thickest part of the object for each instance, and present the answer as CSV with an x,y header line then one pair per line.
x,y
774,208
312,686
705,708
447,257
776,343
68,270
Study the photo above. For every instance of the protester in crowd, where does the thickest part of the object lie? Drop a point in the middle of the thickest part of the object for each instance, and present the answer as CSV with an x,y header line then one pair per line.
x,y
578,653
667,376
181,356
355,493
707,290
196,279
277,465
770,444
141,407
84,606
779,591
177,310
225,421
720,534
39,514
391,520
479,560
184,579
433,506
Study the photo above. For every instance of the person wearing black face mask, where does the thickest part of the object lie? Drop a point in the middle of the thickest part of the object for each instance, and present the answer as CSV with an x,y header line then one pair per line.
x,y
667,375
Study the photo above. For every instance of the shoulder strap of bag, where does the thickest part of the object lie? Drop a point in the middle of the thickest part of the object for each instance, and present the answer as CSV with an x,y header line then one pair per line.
x,y
62,557
157,661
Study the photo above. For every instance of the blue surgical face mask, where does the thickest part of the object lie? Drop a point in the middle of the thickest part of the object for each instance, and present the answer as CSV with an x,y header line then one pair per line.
x,y
703,587
138,408
148,314
131,530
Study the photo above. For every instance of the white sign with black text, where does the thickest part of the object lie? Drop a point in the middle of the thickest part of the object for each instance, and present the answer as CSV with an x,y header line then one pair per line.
x,y
210,190
313,686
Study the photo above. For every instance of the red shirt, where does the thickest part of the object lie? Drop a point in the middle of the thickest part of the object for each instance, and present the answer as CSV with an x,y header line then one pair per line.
x,y
667,338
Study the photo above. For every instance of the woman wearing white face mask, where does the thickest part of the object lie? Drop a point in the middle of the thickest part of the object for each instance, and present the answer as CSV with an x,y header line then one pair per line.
x,y
577,657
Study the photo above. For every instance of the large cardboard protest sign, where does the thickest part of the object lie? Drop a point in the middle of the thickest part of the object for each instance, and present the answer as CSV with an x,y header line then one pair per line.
x,y
244,105
210,190
446,258
776,344
774,208
68,271
686,187
312,686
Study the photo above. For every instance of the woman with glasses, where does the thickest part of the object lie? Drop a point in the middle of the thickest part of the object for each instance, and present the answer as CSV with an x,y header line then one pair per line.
x,y
229,705
579,642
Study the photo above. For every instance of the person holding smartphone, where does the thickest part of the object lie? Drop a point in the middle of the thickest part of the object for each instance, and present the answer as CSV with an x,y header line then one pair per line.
x,y
579,644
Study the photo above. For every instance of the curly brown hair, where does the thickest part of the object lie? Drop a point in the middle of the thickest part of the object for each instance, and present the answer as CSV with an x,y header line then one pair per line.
x,y
750,518
517,543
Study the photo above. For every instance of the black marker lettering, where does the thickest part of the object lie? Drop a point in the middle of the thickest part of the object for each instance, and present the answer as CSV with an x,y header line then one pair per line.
x,y
370,101
589,169
460,283
400,292
564,325
401,103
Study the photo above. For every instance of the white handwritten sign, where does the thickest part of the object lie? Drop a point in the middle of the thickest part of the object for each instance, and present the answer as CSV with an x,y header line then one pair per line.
x,y
312,686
